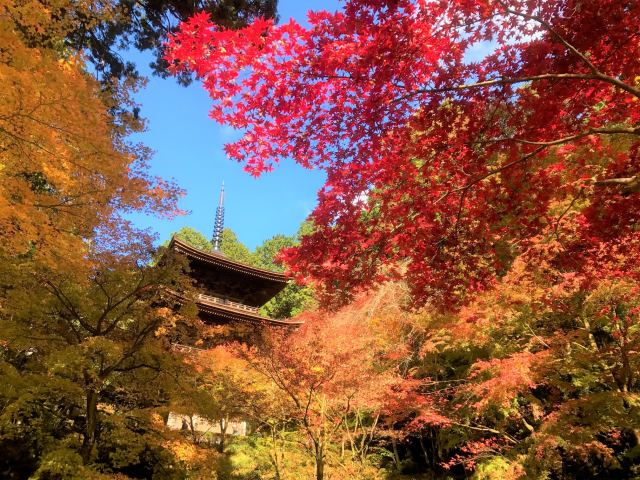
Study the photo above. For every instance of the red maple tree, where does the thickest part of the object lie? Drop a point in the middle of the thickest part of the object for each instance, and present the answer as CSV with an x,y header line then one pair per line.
x,y
437,162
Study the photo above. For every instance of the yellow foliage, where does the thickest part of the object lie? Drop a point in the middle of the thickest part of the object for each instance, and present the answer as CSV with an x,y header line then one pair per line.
x,y
65,159
200,462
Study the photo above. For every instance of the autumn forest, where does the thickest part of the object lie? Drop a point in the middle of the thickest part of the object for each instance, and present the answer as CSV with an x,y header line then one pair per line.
x,y
463,302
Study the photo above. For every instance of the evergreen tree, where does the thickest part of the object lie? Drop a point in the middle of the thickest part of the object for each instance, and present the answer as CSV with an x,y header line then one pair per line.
x,y
193,238
235,249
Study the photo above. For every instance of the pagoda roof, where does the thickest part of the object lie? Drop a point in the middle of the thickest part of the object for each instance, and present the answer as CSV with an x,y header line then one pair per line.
x,y
221,260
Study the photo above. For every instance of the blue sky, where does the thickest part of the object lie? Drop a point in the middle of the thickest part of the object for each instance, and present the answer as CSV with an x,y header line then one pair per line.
x,y
189,148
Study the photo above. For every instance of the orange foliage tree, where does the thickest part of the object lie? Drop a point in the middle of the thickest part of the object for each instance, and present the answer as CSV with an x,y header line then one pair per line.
x,y
328,374
66,165
537,376
83,349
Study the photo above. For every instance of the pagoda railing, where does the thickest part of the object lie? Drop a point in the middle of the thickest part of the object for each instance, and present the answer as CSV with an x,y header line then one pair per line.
x,y
226,303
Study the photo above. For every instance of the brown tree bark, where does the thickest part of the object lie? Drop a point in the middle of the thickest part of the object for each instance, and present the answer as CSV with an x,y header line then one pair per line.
x,y
319,456
91,425
396,455
224,422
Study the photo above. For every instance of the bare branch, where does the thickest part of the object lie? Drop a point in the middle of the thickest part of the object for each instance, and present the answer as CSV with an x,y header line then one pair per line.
x,y
68,305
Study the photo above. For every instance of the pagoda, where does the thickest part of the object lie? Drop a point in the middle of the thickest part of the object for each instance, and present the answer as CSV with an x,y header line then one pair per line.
x,y
228,290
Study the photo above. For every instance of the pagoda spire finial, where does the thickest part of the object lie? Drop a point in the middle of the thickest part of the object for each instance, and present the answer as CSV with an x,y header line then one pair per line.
x,y
219,223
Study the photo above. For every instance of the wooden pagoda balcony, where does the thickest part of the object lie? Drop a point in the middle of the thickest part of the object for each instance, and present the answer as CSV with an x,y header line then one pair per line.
x,y
228,310
210,299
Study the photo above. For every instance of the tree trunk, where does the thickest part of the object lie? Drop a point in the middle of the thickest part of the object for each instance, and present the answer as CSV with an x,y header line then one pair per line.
x,y
192,428
223,433
319,451
274,455
91,426
427,460
367,438
587,327
396,456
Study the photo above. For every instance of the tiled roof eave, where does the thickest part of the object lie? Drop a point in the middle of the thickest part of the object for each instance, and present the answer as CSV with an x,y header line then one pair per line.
x,y
224,262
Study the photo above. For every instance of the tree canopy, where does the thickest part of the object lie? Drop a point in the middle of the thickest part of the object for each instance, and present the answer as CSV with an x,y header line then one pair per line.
x,y
479,222
84,354
439,165
489,200
103,29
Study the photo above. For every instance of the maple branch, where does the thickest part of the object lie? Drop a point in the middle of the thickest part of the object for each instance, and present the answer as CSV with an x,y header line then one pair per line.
x,y
570,138
486,429
528,78
548,26
617,181
345,413
63,130
504,81
70,324
24,140
136,366
114,323
107,296
271,371
68,305
277,378
41,147
465,188
566,210
67,200
305,417
492,172
630,184
334,76
49,338
133,297
135,347
534,334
